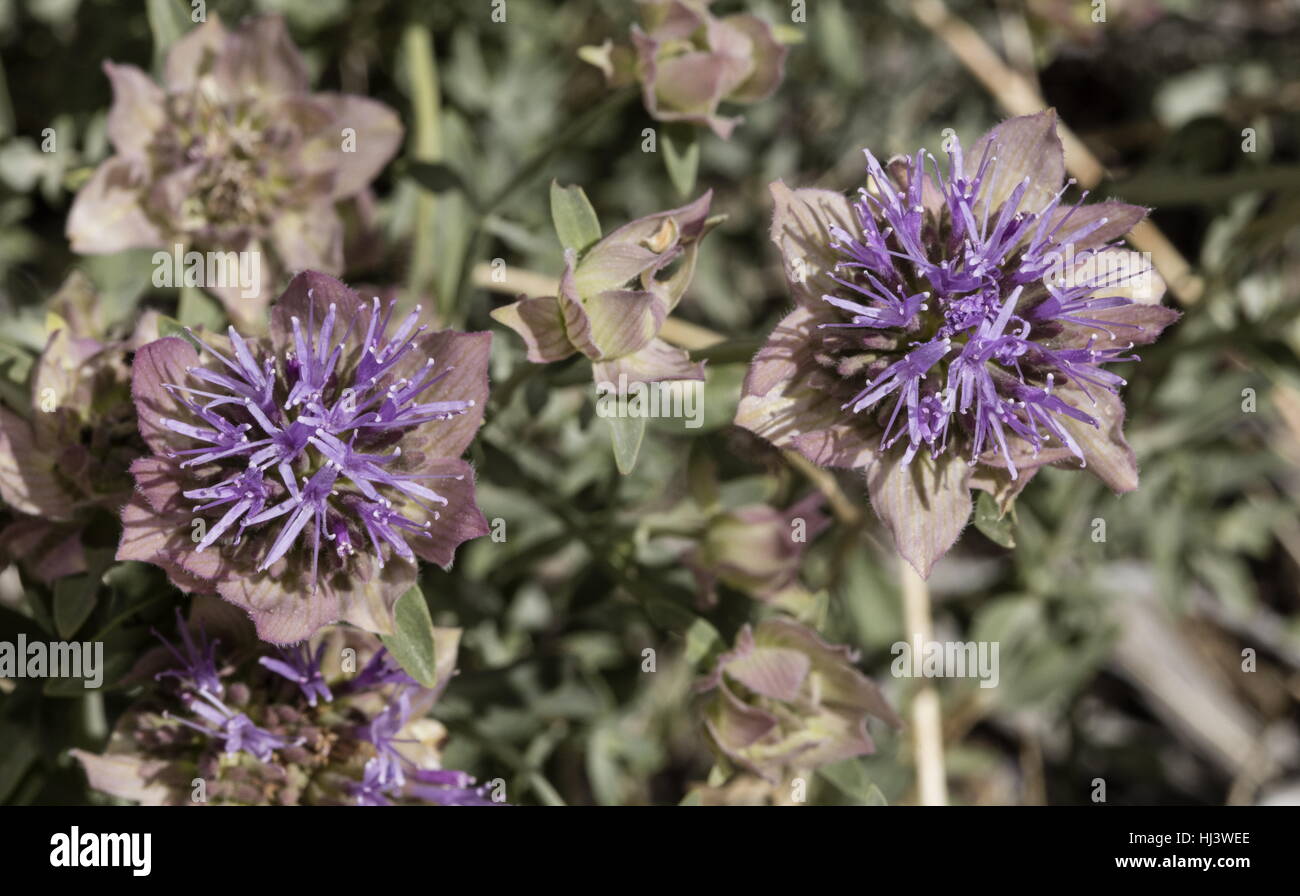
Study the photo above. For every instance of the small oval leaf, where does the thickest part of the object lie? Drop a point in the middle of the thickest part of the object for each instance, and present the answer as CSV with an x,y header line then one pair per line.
x,y
627,433
682,157
412,640
575,220
993,524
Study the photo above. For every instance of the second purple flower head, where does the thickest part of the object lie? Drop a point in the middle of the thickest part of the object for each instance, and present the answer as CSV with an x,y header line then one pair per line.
x,y
955,330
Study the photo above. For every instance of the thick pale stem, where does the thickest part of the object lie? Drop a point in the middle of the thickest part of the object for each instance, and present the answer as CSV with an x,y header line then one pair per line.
x,y
425,146
927,720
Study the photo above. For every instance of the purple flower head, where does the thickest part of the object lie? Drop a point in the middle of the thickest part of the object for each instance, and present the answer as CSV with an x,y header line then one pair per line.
x,y
371,790
954,330
383,732
322,462
447,787
391,775
441,787
342,737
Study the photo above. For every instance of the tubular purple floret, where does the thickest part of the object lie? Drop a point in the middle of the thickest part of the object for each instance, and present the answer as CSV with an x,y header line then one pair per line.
x,y
198,664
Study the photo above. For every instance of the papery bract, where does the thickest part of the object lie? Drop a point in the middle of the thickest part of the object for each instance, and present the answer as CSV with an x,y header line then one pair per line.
x,y
784,700
689,61
233,152
757,548
615,296
64,458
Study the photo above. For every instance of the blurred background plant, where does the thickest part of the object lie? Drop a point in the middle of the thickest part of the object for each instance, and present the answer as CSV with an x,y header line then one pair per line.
x,y
1122,645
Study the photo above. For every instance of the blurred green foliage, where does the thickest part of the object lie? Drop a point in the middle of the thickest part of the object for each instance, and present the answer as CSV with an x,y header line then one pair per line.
x,y
552,693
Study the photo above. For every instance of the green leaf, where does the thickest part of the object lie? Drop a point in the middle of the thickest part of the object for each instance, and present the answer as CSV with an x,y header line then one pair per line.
x,y
602,765
7,107
702,478
575,220
850,778
840,44
702,641
74,600
998,528
626,434
21,750
121,278
197,309
170,326
13,623
168,20
868,594
412,640
682,157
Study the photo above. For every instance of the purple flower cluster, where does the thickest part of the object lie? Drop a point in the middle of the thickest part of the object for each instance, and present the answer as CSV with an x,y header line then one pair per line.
x,y
954,330
330,738
313,458
972,347
317,426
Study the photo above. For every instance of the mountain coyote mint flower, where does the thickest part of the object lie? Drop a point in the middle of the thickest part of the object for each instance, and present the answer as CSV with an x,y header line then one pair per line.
x,y
224,714
232,153
757,549
301,478
784,700
614,297
954,331
688,61
64,453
